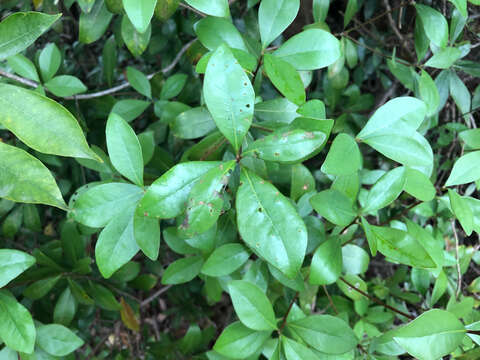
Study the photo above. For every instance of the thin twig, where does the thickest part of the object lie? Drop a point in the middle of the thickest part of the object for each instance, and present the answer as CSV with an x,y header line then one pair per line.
x,y
188,7
154,296
284,321
397,32
330,300
19,79
379,302
457,260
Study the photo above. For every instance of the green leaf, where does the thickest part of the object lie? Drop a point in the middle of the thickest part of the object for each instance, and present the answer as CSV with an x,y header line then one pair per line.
x,y
296,351
116,244
434,24
173,86
350,12
355,260
124,149
16,324
310,50
429,93
92,25
465,169
432,246
140,13
444,57
460,93
183,270
432,335
26,112
336,163
205,202
193,123
252,305
49,61
98,205
461,6
471,138
103,297
334,206
285,78
147,234
19,30
302,181
418,185
12,264
136,42
462,211
326,264
130,109
350,292
320,9
214,31
167,196
371,239
229,96
325,333
40,288
278,110
65,85
139,81
274,16
211,7
268,222
225,260
57,340
385,190
25,179
439,288
239,342
165,9
109,59
23,67
65,308
147,143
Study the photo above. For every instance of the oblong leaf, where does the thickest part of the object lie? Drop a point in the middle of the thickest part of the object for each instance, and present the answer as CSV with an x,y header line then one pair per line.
x,y
327,262
225,260
274,16
183,270
140,13
385,190
465,169
57,340
211,7
12,264
334,206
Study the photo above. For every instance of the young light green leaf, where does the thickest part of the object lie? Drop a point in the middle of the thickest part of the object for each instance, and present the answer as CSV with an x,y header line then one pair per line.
x,y
295,351
285,78
217,8
439,288
214,31
140,13
310,50
465,169
12,264
57,340
268,222
418,185
229,96
167,196
49,61
183,270
25,179
462,211
252,305
434,24
116,244
225,260
17,329
19,30
147,234
23,67
302,181
139,81
130,109
429,93
432,335
124,149
65,85
205,201
136,42
274,16
471,138
193,123
355,260
343,158
239,342
444,57
26,112
326,264
334,206
385,190
93,24
325,333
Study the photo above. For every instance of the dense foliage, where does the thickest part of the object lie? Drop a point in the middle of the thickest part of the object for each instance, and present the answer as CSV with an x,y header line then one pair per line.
x,y
312,168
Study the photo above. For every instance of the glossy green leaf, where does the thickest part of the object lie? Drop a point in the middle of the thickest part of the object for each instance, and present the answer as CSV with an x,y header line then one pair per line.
x,y
92,25
225,260
310,50
65,308
285,78
432,335
97,206
25,113
444,57
130,109
334,206
434,24
239,342
326,264
124,149
439,288
229,96
462,211
147,234
23,67
429,93
355,260
385,190
116,244
103,297
140,13
349,291
57,340
173,86
302,181
274,16
40,288
139,81
109,59
167,196
471,138
214,31
193,123
49,61
65,85
19,30
12,264
147,143
344,156
268,222
136,42
296,351
165,9
183,270
211,7
17,329
252,306
460,93
25,179
325,333
418,185
465,169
